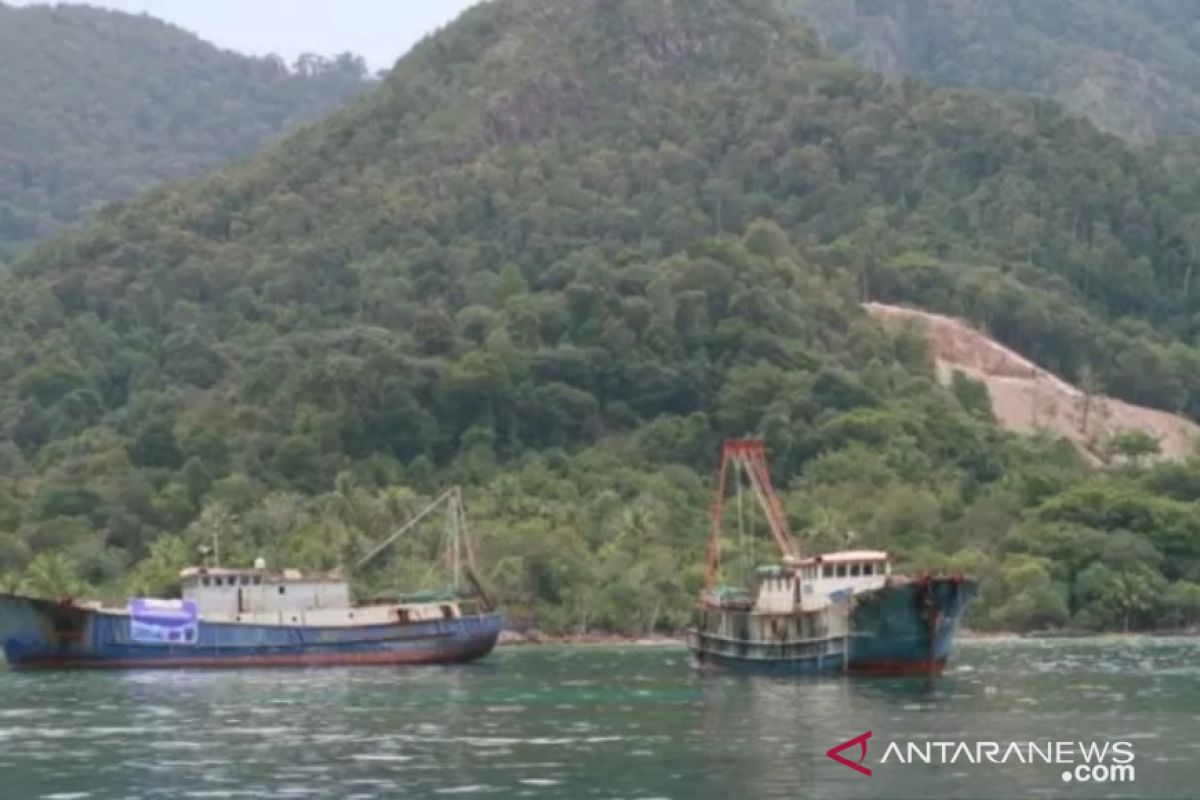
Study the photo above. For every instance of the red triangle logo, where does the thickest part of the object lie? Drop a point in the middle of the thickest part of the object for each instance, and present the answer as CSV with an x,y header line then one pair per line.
x,y
861,740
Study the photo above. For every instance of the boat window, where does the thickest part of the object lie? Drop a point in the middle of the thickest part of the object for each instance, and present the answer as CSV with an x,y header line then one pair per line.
x,y
841,570
206,581
447,613
868,569
828,571
258,580
283,590
854,570
245,580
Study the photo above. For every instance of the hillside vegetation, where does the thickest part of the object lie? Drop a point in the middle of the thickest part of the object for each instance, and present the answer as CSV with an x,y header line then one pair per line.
x,y
1132,66
561,252
97,106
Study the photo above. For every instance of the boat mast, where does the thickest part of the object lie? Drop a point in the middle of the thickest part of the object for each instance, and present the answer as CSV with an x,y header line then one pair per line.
x,y
457,539
747,456
454,524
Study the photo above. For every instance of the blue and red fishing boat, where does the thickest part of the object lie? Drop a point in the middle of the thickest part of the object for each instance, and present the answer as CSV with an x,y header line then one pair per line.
x,y
838,612
260,618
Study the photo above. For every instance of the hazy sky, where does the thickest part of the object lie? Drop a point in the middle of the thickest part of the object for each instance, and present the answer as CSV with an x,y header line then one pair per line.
x,y
379,30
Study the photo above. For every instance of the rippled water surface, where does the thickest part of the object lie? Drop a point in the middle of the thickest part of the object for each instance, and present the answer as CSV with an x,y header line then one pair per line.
x,y
621,722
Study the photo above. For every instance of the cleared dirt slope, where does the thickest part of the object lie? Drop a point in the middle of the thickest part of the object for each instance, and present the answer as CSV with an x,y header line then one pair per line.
x,y
1027,398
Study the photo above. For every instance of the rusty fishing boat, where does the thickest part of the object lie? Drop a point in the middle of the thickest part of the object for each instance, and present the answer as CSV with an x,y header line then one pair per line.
x,y
843,611
256,617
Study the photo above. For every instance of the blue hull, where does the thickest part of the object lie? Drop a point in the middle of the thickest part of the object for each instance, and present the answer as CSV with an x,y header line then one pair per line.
x,y
907,627
38,634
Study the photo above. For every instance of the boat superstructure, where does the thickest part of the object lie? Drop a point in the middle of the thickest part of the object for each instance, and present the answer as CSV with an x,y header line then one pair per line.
x,y
231,617
837,612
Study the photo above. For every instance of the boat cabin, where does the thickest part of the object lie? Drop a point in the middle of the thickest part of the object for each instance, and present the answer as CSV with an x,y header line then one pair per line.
x,y
808,584
848,570
290,597
778,590
229,592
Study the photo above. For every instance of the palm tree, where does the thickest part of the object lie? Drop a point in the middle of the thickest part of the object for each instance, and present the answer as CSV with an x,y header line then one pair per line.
x,y
52,575
10,583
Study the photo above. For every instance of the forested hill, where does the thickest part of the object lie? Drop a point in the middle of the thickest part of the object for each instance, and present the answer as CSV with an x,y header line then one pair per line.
x,y
1133,66
97,106
557,256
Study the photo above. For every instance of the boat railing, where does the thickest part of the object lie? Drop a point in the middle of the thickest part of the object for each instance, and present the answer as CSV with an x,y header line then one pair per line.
x,y
772,642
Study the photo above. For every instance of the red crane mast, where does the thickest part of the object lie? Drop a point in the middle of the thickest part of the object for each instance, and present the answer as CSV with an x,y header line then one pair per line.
x,y
747,456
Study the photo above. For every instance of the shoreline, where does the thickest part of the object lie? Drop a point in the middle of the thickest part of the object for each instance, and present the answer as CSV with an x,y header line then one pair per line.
x,y
510,638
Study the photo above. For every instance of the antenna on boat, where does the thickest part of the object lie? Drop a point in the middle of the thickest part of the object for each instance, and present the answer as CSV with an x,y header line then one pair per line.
x,y
747,456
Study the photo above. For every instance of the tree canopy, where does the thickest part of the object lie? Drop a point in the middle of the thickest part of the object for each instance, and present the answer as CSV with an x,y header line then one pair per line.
x,y
97,106
557,255
1132,66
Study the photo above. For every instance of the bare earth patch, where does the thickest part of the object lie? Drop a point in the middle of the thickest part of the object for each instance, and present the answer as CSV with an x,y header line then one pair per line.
x,y
1027,398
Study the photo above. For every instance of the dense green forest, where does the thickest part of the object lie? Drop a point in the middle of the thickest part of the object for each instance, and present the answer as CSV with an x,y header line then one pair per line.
x,y
98,106
1133,66
562,251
